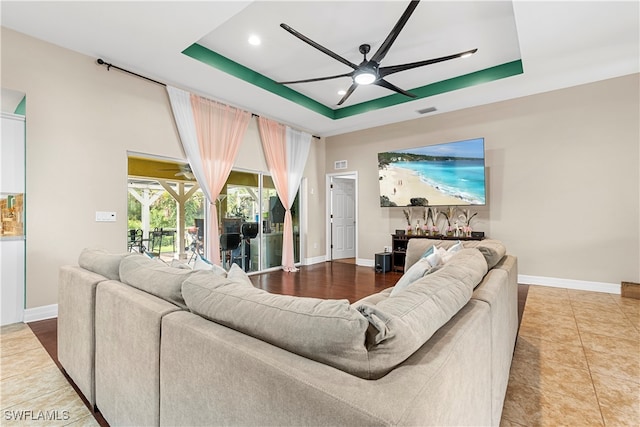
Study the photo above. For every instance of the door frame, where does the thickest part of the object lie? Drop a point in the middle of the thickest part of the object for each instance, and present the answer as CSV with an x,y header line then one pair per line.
x,y
329,203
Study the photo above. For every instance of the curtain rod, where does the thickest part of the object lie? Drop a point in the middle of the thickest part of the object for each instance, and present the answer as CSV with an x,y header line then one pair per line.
x,y
109,66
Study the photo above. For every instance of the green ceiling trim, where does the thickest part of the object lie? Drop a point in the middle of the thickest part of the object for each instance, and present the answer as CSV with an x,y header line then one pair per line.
x,y
483,76
214,59
222,63
21,109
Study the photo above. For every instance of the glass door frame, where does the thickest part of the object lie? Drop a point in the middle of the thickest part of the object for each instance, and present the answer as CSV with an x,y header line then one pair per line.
x,y
261,236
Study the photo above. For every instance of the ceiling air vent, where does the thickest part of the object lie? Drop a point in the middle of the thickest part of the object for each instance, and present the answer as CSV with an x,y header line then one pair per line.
x,y
426,110
340,164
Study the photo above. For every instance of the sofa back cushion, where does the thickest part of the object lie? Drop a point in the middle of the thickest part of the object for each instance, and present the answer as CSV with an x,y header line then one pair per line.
x,y
367,339
101,262
155,278
328,331
404,322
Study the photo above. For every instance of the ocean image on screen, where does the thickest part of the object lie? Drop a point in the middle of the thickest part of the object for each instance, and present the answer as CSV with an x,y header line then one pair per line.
x,y
451,174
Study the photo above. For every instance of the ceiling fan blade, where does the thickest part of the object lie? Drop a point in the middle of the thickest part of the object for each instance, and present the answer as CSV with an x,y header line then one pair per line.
x,y
386,84
348,94
319,47
317,79
386,45
385,71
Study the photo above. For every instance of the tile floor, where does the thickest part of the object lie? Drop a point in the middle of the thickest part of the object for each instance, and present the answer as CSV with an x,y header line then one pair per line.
x,y
33,391
577,363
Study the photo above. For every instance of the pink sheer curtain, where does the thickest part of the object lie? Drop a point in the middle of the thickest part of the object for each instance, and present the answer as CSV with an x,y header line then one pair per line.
x,y
274,144
220,130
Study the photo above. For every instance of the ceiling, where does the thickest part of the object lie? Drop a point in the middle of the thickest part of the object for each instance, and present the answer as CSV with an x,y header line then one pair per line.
x,y
524,47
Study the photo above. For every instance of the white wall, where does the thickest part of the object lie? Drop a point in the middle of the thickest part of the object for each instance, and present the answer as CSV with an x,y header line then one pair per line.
x,y
563,178
81,121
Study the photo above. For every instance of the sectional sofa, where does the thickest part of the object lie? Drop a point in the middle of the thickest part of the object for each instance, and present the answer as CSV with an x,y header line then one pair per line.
x,y
150,344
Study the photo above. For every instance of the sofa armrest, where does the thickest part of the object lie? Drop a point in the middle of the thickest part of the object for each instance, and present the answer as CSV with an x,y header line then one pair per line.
x,y
128,333
500,290
76,326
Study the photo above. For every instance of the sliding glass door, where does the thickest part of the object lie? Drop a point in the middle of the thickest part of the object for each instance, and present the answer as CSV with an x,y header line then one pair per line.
x,y
166,215
249,207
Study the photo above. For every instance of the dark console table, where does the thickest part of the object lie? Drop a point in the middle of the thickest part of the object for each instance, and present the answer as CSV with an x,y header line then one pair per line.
x,y
399,246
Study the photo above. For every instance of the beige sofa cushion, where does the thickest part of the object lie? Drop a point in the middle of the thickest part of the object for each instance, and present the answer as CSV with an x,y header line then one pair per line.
x,y
328,331
155,278
101,262
404,322
367,339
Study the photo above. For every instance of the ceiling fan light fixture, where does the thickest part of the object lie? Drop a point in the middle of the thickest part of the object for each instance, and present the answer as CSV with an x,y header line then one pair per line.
x,y
364,77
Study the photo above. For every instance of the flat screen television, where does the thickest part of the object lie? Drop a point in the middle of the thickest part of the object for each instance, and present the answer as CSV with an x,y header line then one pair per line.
x,y
450,174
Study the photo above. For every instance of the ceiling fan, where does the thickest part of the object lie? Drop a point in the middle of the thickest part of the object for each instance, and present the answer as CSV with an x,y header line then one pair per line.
x,y
369,71
183,170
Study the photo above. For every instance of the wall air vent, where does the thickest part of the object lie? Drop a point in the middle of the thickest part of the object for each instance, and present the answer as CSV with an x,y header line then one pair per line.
x,y
426,110
340,164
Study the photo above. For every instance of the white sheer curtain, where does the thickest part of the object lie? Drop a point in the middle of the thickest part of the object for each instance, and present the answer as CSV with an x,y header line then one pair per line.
x,y
298,144
183,114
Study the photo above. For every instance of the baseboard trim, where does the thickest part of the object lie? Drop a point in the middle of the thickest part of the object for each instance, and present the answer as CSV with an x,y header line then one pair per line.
x,y
364,262
315,260
581,285
40,313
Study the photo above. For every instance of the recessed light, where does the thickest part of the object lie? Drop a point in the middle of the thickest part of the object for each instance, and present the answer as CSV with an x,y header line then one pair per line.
x,y
254,40
342,92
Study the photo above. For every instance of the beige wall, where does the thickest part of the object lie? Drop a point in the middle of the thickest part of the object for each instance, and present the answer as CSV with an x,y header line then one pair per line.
x,y
81,121
563,180
563,167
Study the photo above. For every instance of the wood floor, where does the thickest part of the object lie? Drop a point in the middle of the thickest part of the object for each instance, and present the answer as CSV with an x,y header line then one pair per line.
x,y
329,280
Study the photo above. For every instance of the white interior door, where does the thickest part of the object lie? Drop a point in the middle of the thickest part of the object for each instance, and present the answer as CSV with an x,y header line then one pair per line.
x,y
344,218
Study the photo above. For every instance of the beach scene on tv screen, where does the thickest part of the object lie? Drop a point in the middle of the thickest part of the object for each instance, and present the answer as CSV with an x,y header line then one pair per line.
x,y
450,174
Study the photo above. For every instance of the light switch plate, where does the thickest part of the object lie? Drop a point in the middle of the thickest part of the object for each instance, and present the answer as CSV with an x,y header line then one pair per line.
x,y
105,216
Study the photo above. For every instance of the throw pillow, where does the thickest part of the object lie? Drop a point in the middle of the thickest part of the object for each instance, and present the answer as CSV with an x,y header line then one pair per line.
x,y
434,259
447,254
204,264
417,270
456,248
428,251
237,275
